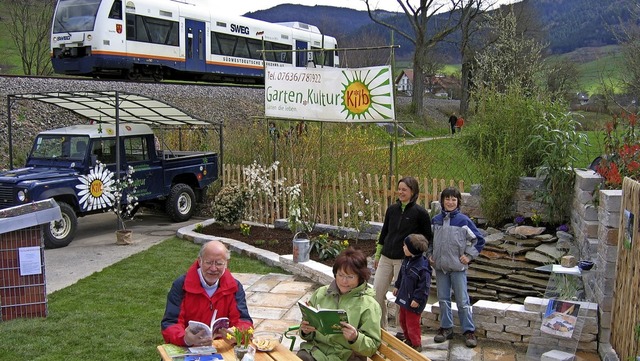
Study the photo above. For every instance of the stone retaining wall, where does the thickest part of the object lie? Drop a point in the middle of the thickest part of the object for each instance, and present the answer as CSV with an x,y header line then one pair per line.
x,y
595,221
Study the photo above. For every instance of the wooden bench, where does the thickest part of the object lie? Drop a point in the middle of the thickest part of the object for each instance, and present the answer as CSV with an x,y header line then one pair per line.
x,y
391,348
395,350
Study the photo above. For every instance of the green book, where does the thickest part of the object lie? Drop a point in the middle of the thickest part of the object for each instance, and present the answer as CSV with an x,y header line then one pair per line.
x,y
326,321
179,352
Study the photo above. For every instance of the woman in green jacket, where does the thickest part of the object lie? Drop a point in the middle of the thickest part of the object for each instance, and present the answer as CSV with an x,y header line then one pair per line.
x,y
349,291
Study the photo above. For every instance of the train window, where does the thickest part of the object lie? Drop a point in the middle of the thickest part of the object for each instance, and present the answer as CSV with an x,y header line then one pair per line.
x,y
284,56
131,27
75,15
318,56
116,10
242,49
158,30
254,47
223,44
151,30
141,31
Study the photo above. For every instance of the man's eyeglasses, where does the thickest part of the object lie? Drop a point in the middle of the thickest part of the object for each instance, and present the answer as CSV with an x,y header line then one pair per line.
x,y
218,264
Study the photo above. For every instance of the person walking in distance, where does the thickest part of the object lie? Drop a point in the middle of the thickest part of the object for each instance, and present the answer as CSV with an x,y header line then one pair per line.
x,y
452,121
456,242
401,219
412,288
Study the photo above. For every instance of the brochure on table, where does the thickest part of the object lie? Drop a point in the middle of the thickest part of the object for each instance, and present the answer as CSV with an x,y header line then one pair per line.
x,y
562,315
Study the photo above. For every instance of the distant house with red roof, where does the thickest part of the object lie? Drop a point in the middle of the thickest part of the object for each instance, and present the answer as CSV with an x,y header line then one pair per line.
x,y
404,81
438,85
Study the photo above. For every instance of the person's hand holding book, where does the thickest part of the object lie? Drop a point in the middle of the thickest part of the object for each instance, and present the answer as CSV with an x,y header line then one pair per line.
x,y
306,328
349,332
196,337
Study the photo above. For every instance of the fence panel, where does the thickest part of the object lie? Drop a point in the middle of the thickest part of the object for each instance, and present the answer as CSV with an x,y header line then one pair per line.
x,y
336,202
625,313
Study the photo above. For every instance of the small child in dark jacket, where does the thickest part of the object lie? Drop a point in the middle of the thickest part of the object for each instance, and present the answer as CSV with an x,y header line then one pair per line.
x,y
412,288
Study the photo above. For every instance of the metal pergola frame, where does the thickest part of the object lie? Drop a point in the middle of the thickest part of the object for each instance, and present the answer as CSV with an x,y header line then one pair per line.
x,y
113,106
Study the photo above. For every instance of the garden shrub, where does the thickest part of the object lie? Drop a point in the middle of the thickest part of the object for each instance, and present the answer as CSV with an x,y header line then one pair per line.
x,y
515,134
229,205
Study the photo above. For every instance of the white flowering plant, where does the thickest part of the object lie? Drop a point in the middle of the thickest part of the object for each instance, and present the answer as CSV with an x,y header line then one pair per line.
x,y
300,216
228,206
266,184
359,209
125,189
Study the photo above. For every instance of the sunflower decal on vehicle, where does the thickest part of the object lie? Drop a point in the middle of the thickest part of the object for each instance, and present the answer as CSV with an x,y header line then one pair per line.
x,y
96,188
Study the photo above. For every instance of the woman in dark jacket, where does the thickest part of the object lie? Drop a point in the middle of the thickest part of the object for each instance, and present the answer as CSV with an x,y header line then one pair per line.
x,y
401,219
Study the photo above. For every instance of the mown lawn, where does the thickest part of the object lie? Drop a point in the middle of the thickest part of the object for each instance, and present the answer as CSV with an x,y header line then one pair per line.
x,y
113,314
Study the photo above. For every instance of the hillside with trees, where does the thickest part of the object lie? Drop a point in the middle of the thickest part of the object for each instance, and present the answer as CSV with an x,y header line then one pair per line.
x,y
566,25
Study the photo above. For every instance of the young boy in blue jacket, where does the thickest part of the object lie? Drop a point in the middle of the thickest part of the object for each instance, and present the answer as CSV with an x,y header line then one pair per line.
x,y
412,288
456,242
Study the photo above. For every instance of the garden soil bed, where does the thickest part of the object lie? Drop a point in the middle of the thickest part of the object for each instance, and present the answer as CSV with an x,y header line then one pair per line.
x,y
280,241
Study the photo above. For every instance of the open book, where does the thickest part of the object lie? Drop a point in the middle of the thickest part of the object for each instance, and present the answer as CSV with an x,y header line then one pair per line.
x,y
216,324
326,321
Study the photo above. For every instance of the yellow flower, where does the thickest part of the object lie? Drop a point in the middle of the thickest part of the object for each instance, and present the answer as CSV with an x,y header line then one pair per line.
x,y
241,335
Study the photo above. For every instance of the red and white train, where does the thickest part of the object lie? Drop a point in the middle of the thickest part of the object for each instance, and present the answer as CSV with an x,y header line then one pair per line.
x,y
177,39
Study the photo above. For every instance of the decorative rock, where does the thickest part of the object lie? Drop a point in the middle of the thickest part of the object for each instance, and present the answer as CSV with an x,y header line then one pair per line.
x,y
568,261
525,231
556,355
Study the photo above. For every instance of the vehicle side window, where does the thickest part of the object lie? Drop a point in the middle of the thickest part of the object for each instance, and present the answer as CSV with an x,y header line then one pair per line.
x,y
105,150
136,149
116,10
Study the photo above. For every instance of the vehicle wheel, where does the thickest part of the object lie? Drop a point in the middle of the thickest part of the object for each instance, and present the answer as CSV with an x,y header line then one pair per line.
x,y
181,202
61,232
133,75
157,75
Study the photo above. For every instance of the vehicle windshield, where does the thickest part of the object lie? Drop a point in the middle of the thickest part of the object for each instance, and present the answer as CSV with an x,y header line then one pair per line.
x,y
75,15
60,146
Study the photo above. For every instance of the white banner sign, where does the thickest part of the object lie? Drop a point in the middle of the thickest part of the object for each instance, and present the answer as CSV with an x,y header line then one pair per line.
x,y
330,94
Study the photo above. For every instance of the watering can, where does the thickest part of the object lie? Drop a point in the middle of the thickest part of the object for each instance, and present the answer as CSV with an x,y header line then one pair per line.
x,y
301,247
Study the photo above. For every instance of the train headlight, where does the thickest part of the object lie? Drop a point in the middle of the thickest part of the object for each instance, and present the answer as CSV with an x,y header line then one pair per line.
x,y
22,195
89,37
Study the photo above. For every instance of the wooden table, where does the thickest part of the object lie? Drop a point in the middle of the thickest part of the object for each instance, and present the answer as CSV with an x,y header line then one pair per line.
x,y
280,353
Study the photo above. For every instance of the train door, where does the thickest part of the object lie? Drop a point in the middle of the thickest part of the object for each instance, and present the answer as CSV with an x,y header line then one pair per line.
x,y
195,45
301,56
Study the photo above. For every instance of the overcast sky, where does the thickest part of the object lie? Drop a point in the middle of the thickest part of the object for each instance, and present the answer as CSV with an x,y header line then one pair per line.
x,y
240,7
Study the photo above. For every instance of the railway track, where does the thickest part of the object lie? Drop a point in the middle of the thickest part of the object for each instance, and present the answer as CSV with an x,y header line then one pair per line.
x,y
142,81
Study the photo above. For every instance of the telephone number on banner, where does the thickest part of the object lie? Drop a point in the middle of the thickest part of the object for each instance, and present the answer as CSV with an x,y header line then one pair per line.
x,y
295,77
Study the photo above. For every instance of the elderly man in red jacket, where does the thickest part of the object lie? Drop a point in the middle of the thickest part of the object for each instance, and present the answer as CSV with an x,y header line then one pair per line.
x,y
206,289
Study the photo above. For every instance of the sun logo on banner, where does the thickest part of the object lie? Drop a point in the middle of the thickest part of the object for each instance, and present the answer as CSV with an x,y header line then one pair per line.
x,y
368,92
95,188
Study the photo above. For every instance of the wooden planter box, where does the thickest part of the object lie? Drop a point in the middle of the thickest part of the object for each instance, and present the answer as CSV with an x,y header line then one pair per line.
x,y
24,295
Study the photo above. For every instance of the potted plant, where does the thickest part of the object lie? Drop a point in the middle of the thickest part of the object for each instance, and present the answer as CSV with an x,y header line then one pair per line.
x,y
242,337
100,189
126,203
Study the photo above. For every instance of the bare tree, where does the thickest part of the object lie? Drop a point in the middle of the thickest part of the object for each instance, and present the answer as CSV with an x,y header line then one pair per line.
x,y
469,27
29,23
419,18
562,79
365,57
512,59
629,37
